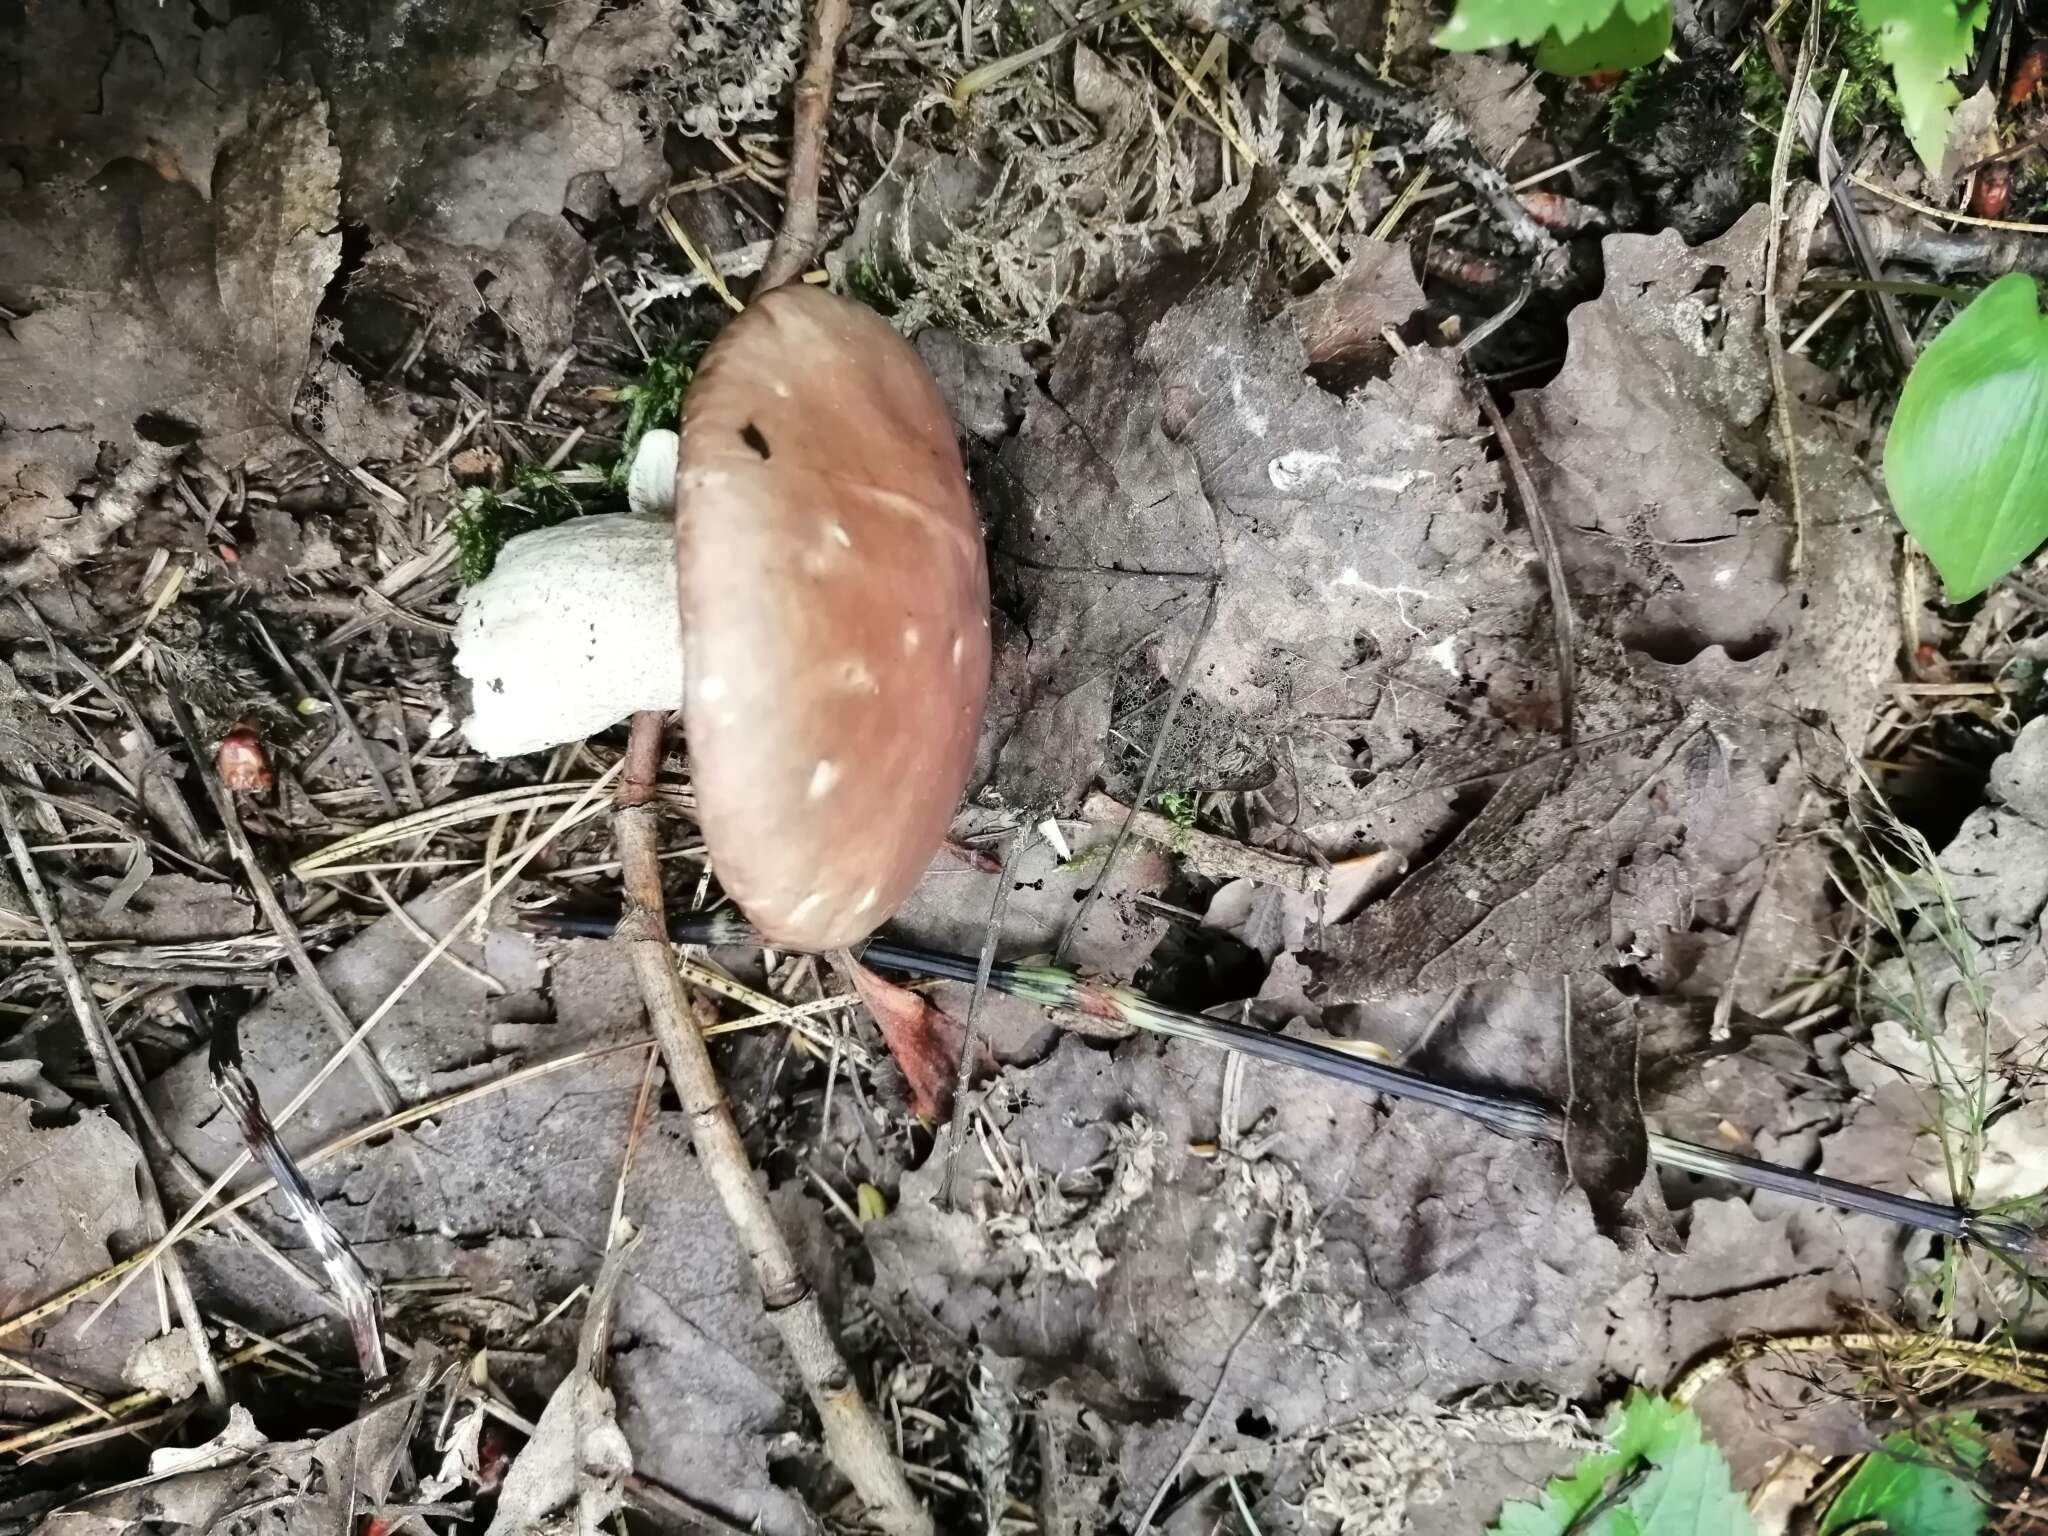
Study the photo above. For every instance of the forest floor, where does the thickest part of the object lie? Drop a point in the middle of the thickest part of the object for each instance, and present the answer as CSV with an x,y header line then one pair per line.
x,y
1518,687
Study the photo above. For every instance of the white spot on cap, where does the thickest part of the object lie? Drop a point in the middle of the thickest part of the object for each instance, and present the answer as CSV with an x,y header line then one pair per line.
x,y
874,895
798,912
781,390
959,648
910,637
840,534
858,676
711,689
823,777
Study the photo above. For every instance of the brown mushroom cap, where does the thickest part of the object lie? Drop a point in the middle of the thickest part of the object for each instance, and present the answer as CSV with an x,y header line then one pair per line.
x,y
835,615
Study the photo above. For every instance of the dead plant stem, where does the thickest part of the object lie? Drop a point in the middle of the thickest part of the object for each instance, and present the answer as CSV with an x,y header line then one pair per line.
x,y
854,1437
1774,339
1544,532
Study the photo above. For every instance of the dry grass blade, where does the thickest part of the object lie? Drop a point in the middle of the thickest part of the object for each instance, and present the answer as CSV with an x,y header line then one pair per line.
x,y
440,818
1774,337
490,893
428,1110
45,1436
122,1092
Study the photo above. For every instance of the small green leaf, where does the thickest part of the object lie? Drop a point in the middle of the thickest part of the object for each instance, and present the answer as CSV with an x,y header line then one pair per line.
x,y
1622,41
1964,461
1658,1477
1907,1488
870,1204
1924,42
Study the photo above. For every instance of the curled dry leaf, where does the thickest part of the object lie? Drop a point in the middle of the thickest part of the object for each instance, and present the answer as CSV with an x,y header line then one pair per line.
x,y
925,1040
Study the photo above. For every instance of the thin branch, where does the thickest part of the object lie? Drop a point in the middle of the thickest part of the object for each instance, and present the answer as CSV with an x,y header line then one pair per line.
x,y
796,242
854,1437
1545,534
1201,1429
1180,692
970,1032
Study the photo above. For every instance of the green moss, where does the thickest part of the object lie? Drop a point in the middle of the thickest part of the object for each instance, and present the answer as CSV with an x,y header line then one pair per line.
x,y
484,521
880,290
1867,94
1634,91
655,399
1179,807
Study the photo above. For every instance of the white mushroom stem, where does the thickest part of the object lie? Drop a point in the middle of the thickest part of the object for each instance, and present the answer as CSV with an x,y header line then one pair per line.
x,y
577,627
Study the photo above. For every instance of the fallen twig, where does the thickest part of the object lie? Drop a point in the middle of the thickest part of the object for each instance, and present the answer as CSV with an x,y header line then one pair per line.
x,y
1220,858
853,1435
797,240
1545,534
157,450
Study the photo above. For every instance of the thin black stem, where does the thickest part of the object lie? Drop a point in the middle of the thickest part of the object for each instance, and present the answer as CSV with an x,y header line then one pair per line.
x,y
1511,1115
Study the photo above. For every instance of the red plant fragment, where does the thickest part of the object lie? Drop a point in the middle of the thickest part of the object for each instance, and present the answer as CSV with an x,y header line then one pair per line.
x,y
924,1038
1988,195
241,762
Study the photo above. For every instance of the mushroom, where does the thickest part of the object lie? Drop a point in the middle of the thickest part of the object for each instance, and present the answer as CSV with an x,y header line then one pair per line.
x,y
830,593
834,597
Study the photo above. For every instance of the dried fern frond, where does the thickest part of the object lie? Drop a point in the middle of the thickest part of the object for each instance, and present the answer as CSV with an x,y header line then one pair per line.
x,y
734,62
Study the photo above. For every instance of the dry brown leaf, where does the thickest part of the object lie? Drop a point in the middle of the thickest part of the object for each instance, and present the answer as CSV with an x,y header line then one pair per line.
x,y
924,1038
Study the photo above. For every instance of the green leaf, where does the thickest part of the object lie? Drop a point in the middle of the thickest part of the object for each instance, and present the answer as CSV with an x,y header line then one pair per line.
x,y
1907,1488
1622,41
1924,42
1657,1477
1964,461
1497,23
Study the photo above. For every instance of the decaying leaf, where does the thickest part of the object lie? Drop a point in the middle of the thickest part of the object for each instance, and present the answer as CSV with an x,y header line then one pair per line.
x,y
152,305
924,1039
570,1477
1385,1252
70,1196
